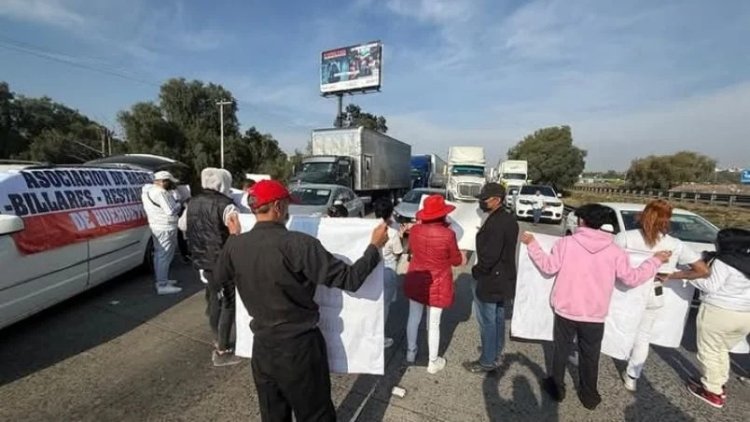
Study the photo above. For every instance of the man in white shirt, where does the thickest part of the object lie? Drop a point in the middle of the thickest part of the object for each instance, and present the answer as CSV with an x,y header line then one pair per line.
x,y
537,205
162,212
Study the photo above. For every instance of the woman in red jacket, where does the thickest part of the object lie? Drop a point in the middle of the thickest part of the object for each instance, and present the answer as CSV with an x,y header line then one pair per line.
x,y
429,280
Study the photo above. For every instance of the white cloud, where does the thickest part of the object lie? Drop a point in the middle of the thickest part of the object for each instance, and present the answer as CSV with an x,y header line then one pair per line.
x,y
714,124
50,12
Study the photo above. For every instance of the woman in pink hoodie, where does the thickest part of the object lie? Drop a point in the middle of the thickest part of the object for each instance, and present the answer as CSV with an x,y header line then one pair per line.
x,y
587,265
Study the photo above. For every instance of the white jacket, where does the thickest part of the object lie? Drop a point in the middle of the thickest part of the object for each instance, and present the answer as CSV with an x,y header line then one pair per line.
x,y
725,288
161,208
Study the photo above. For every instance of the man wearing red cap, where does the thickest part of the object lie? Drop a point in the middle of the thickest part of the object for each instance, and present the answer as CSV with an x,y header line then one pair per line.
x,y
276,272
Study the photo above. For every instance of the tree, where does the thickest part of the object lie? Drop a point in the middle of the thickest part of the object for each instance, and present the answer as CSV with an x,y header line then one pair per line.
x,y
354,117
667,171
552,157
43,130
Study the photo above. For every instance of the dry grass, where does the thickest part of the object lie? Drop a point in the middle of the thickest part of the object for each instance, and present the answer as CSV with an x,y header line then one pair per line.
x,y
721,216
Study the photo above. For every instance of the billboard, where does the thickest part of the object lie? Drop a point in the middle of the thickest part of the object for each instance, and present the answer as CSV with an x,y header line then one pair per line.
x,y
354,68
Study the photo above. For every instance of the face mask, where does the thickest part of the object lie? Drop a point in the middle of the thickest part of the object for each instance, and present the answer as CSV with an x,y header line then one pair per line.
x,y
484,207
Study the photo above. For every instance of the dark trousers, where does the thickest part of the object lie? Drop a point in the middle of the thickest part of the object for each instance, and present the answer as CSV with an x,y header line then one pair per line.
x,y
182,245
220,311
292,375
589,347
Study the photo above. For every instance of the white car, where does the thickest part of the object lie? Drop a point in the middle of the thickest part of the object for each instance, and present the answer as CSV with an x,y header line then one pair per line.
x,y
553,206
691,228
64,230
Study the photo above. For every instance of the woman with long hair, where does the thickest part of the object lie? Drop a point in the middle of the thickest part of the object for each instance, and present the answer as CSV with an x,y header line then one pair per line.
x,y
684,264
429,280
724,315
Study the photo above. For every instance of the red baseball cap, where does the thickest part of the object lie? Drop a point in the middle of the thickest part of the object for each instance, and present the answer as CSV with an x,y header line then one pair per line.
x,y
267,191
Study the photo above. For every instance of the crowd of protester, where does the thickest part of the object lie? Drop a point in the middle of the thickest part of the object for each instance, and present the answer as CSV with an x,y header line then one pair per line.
x,y
276,271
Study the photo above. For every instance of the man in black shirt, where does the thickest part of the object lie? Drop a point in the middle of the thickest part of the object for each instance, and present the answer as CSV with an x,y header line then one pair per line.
x,y
276,272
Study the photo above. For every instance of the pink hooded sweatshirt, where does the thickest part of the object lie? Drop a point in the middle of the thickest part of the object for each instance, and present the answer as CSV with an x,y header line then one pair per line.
x,y
587,265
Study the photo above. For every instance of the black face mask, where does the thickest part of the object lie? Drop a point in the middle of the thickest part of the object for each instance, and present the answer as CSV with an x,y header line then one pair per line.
x,y
484,207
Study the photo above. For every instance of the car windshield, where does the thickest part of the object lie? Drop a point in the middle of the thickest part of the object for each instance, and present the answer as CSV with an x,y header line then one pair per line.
x,y
544,190
688,228
415,196
467,171
318,167
311,196
514,176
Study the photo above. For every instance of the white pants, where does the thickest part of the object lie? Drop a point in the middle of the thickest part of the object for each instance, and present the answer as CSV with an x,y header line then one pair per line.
x,y
719,330
639,354
165,242
433,328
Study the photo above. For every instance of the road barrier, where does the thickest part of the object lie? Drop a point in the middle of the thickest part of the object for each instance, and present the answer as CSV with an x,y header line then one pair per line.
x,y
719,199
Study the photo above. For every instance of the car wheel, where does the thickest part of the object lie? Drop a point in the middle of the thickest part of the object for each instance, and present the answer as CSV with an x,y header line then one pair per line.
x,y
148,257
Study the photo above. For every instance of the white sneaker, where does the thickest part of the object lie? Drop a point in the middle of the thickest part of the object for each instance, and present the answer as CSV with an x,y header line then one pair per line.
x,y
168,290
172,282
411,356
388,342
629,382
436,365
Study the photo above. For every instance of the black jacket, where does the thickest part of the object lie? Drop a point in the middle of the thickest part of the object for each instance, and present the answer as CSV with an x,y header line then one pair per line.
x,y
276,272
495,271
207,232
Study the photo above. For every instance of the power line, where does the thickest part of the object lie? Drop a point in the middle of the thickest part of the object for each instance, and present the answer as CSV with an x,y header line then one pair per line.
x,y
21,48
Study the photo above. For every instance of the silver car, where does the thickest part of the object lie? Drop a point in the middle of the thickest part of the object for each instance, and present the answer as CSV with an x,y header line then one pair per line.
x,y
315,200
406,211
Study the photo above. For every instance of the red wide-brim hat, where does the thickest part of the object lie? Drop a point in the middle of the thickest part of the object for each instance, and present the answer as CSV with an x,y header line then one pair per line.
x,y
434,208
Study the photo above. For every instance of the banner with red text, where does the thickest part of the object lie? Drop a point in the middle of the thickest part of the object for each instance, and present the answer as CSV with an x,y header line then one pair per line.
x,y
61,206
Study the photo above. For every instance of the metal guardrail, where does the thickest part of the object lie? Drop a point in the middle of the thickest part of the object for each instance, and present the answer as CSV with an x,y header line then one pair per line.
x,y
721,199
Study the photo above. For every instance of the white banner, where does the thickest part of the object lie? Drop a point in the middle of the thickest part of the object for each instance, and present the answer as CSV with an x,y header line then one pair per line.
x,y
352,323
533,317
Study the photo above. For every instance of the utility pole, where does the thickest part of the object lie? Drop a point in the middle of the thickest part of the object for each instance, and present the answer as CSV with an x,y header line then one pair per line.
x,y
221,105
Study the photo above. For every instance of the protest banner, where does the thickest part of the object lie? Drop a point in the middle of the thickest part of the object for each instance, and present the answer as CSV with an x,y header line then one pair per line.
x,y
61,206
533,317
352,323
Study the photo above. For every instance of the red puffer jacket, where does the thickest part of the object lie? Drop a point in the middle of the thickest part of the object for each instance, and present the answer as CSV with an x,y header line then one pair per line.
x,y
429,279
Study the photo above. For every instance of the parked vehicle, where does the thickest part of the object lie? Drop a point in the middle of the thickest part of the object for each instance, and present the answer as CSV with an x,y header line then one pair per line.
x,y
553,206
64,230
512,174
691,228
428,171
406,210
370,163
315,200
466,173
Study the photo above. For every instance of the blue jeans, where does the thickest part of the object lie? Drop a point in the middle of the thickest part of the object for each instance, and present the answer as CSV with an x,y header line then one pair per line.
x,y
537,215
165,242
491,318
390,281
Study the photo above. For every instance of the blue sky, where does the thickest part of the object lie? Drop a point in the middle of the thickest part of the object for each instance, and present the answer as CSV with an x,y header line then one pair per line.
x,y
632,78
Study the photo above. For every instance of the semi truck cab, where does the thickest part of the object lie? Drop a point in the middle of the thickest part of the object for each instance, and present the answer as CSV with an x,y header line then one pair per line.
x,y
326,169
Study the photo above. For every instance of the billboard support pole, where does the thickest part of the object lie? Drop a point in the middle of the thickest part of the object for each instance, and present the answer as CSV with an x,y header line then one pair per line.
x,y
339,122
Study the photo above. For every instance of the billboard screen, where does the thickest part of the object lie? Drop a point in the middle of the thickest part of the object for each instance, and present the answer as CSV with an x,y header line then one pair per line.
x,y
352,68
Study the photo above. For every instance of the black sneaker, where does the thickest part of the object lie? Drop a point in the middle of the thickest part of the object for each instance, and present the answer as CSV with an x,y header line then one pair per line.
x,y
590,402
553,390
477,368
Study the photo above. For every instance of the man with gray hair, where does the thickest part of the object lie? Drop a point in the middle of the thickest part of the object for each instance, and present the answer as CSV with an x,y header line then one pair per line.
x,y
210,219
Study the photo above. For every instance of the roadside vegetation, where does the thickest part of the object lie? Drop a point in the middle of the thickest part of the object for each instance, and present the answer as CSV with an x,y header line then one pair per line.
x,y
721,216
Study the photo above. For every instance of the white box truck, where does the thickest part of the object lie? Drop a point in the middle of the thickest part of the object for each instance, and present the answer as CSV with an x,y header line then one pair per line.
x,y
466,172
368,162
